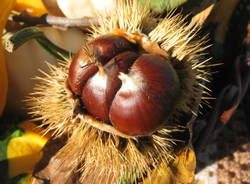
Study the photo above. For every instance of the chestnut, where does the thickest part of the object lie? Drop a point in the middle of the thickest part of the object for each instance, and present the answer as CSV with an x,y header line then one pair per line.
x,y
100,89
80,70
99,50
146,96
107,46
133,91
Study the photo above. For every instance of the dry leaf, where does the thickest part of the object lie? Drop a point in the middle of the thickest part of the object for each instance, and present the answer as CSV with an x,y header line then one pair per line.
x,y
221,16
180,171
24,152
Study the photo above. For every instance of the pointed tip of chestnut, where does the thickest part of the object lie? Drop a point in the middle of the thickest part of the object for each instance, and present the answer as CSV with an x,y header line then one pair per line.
x,y
130,83
101,71
123,76
126,80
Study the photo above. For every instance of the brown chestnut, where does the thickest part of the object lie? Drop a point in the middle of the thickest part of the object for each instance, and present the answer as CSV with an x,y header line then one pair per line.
x,y
107,46
100,89
134,91
146,96
80,70
100,50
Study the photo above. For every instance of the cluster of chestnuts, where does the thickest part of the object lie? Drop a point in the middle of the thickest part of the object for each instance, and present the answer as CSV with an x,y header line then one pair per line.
x,y
119,103
120,83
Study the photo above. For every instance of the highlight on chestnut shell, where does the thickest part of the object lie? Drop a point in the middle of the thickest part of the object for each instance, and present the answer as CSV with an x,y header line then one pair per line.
x,y
120,83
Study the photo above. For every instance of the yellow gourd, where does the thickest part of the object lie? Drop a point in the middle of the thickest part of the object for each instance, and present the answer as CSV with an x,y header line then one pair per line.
x,y
5,8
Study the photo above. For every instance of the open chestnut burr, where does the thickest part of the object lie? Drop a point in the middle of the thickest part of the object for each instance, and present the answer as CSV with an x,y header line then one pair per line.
x,y
120,101
120,83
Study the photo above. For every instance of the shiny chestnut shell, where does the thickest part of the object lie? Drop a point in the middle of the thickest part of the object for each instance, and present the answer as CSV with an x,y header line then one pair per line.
x,y
133,90
99,50
146,96
100,89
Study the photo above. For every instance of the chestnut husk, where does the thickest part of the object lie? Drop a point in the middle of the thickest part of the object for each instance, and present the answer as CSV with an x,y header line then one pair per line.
x,y
89,147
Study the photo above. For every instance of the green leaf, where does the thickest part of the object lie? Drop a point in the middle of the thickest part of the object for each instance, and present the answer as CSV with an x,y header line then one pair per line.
x,y
129,178
165,5
4,143
186,6
3,154
20,179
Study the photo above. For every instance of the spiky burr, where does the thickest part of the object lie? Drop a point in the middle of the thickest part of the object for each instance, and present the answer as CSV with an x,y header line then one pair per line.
x,y
98,151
